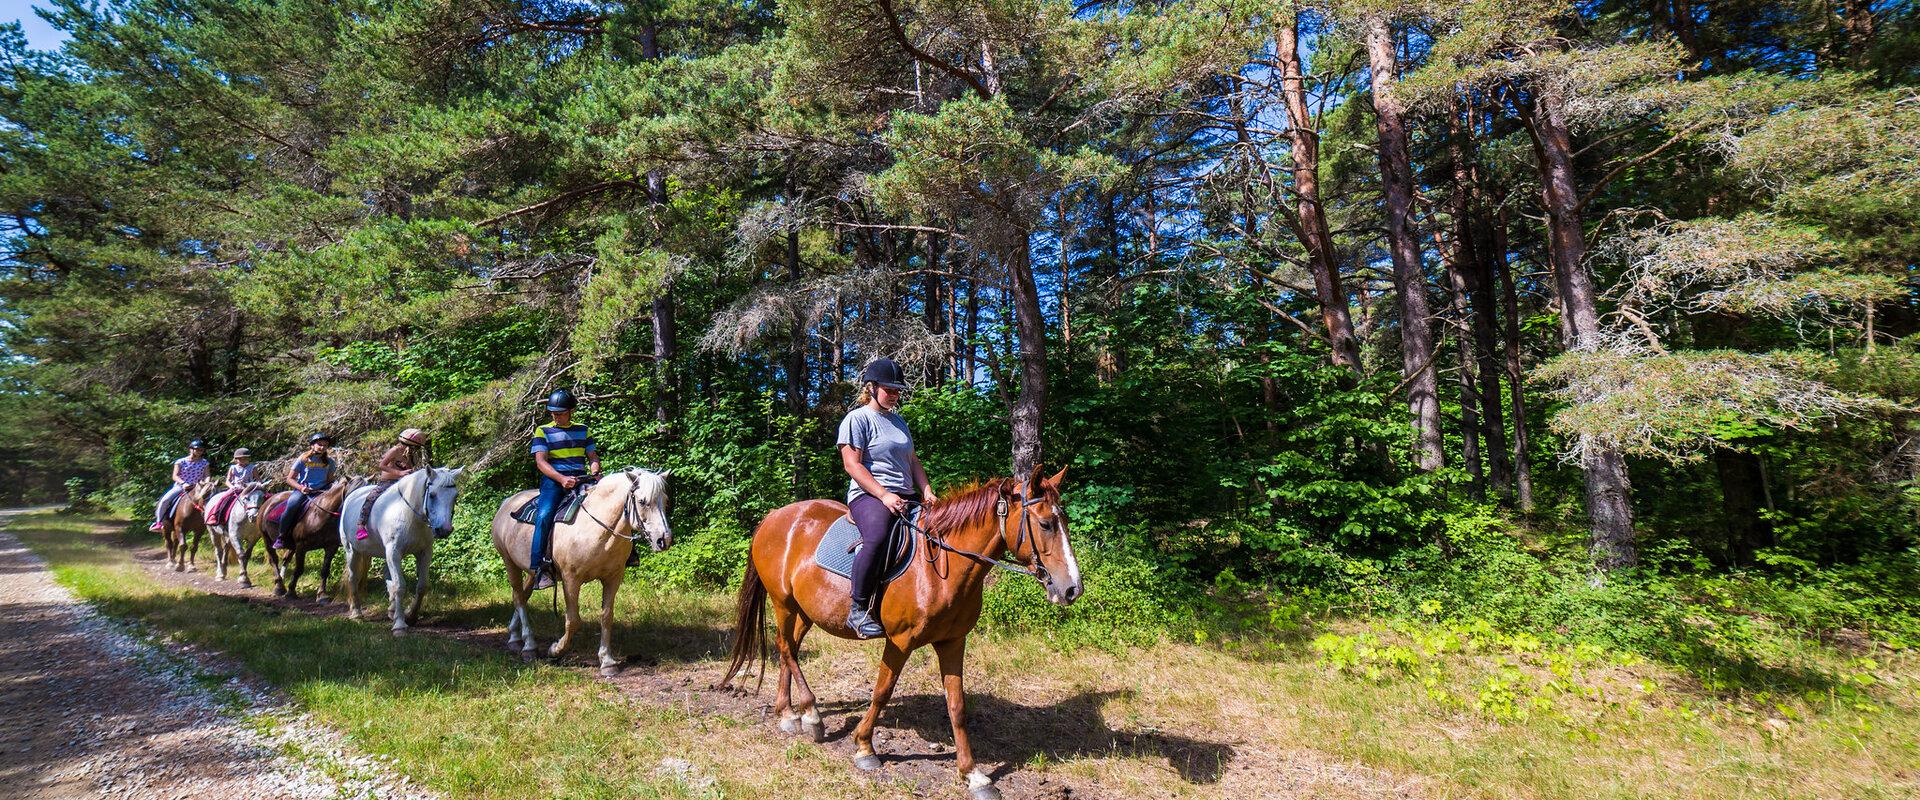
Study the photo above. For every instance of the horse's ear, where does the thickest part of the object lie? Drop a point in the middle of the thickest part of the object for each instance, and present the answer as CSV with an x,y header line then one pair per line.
x,y
1054,482
665,473
1034,479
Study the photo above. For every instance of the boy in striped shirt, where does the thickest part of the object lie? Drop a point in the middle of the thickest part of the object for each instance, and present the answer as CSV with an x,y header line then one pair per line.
x,y
564,455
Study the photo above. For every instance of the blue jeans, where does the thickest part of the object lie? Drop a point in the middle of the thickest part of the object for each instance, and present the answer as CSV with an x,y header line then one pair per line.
x,y
551,493
296,509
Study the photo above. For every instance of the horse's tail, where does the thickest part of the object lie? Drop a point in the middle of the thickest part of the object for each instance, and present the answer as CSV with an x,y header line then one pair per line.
x,y
749,627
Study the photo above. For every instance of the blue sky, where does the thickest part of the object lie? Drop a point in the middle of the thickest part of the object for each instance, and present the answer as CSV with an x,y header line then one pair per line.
x,y
39,34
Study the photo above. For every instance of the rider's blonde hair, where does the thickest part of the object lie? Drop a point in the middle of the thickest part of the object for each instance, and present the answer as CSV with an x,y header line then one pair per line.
x,y
866,394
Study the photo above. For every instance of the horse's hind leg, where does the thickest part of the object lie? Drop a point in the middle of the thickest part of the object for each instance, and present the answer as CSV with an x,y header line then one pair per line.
x,y
193,549
609,663
795,697
519,629
355,580
243,551
279,570
569,586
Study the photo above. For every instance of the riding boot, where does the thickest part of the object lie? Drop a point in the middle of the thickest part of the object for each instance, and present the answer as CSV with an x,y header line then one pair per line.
x,y
633,556
542,576
861,620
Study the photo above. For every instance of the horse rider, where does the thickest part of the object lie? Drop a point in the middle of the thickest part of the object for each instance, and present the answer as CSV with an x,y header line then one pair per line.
x,y
398,462
239,473
187,471
564,455
886,477
310,474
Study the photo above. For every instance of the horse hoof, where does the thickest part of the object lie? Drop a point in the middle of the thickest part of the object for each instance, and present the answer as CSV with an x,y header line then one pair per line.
x,y
789,726
528,655
817,731
986,792
400,632
867,762
178,568
609,671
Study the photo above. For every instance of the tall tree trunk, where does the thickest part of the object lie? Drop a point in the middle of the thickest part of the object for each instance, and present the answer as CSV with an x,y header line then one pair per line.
x,y
1031,404
1315,235
665,327
797,365
1475,279
1410,282
932,311
1455,259
1516,374
1609,493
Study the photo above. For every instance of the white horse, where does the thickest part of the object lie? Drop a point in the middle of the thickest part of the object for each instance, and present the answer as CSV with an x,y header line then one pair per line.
x,y
623,508
408,517
234,540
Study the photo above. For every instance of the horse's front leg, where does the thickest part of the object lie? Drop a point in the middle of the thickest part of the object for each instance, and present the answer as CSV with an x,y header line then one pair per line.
x,y
420,565
609,663
321,594
218,537
570,586
278,568
519,629
396,590
243,550
953,659
890,664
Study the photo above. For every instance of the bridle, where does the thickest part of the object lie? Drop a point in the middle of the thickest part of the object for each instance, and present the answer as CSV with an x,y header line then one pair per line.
x,y
629,510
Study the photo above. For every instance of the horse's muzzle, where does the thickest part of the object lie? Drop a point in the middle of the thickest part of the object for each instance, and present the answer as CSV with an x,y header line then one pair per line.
x,y
442,533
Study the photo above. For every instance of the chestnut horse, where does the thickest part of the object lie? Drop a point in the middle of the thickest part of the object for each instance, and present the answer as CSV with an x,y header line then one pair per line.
x,y
188,517
314,530
936,601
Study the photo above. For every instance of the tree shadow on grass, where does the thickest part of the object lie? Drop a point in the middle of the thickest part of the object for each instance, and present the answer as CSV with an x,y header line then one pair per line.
x,y
1015,734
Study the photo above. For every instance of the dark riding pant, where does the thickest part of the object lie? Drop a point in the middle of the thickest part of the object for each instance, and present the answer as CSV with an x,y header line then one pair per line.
x,y
875,522
551,493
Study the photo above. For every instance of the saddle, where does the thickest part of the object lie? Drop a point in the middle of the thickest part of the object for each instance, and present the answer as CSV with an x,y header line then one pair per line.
x,y
842,540
216,513
277,511
570,504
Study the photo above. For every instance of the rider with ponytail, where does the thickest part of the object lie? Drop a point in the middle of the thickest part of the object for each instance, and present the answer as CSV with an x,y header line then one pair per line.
x,y
398,462
886,477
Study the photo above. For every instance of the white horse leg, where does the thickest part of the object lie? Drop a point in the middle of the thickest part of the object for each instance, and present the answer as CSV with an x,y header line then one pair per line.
x,y
421,560
569,586
609,662
396,585
244,549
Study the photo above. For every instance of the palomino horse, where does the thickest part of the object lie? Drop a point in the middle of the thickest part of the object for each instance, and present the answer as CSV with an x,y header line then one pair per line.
x,y
620,509
409,516
187,519
314,530
936,601
235,536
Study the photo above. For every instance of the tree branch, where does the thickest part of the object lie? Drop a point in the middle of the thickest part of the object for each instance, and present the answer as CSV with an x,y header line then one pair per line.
x,y
900,36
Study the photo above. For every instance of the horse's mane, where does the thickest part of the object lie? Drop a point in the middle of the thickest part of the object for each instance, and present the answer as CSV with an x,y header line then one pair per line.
x,y
969,506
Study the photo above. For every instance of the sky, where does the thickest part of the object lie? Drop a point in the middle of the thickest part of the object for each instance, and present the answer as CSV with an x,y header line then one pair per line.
x,y
40,35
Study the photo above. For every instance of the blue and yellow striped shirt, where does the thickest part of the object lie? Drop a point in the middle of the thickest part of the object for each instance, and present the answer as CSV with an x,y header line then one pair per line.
x,y
567,448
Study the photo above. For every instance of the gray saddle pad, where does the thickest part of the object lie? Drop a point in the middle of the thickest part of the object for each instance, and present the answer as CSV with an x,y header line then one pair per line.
x,y
836,550
569,507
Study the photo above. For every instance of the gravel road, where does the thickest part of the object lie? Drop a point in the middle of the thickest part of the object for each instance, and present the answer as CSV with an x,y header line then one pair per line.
x,y
89,708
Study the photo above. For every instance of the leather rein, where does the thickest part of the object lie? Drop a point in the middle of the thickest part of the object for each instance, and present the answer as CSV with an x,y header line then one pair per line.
x,y
629,510
1001,509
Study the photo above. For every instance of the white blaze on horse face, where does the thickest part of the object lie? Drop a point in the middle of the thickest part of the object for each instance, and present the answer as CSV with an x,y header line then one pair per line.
x,y
1066,547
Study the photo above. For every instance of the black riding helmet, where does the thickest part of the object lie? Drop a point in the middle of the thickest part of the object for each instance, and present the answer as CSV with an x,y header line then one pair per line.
x,y
884,371
197,444
320,437
561,400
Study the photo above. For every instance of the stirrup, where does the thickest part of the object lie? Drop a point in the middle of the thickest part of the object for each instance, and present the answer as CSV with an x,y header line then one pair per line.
x,y
863,624
542,578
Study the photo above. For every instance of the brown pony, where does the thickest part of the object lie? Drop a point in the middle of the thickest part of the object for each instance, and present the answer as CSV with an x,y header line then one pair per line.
x,y
188,517
936,601
316,529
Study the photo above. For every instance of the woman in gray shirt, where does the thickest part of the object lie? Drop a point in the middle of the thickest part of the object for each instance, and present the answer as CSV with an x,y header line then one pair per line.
x,y
877,451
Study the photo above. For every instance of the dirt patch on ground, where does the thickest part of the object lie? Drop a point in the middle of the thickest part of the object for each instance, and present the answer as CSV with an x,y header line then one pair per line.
x,y
91,710
914,739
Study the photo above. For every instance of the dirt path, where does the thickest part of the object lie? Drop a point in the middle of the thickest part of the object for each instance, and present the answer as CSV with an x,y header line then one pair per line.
x,y
913,735
87,709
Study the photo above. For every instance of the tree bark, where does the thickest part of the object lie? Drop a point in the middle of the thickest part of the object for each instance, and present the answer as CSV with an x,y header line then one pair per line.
x,y
1410,283
1030,406
1476,280
1609,493
1315,235
1516,374
1456,259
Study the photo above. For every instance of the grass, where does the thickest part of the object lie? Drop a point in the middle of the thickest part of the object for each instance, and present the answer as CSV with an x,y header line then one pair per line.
x,y
1341,708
